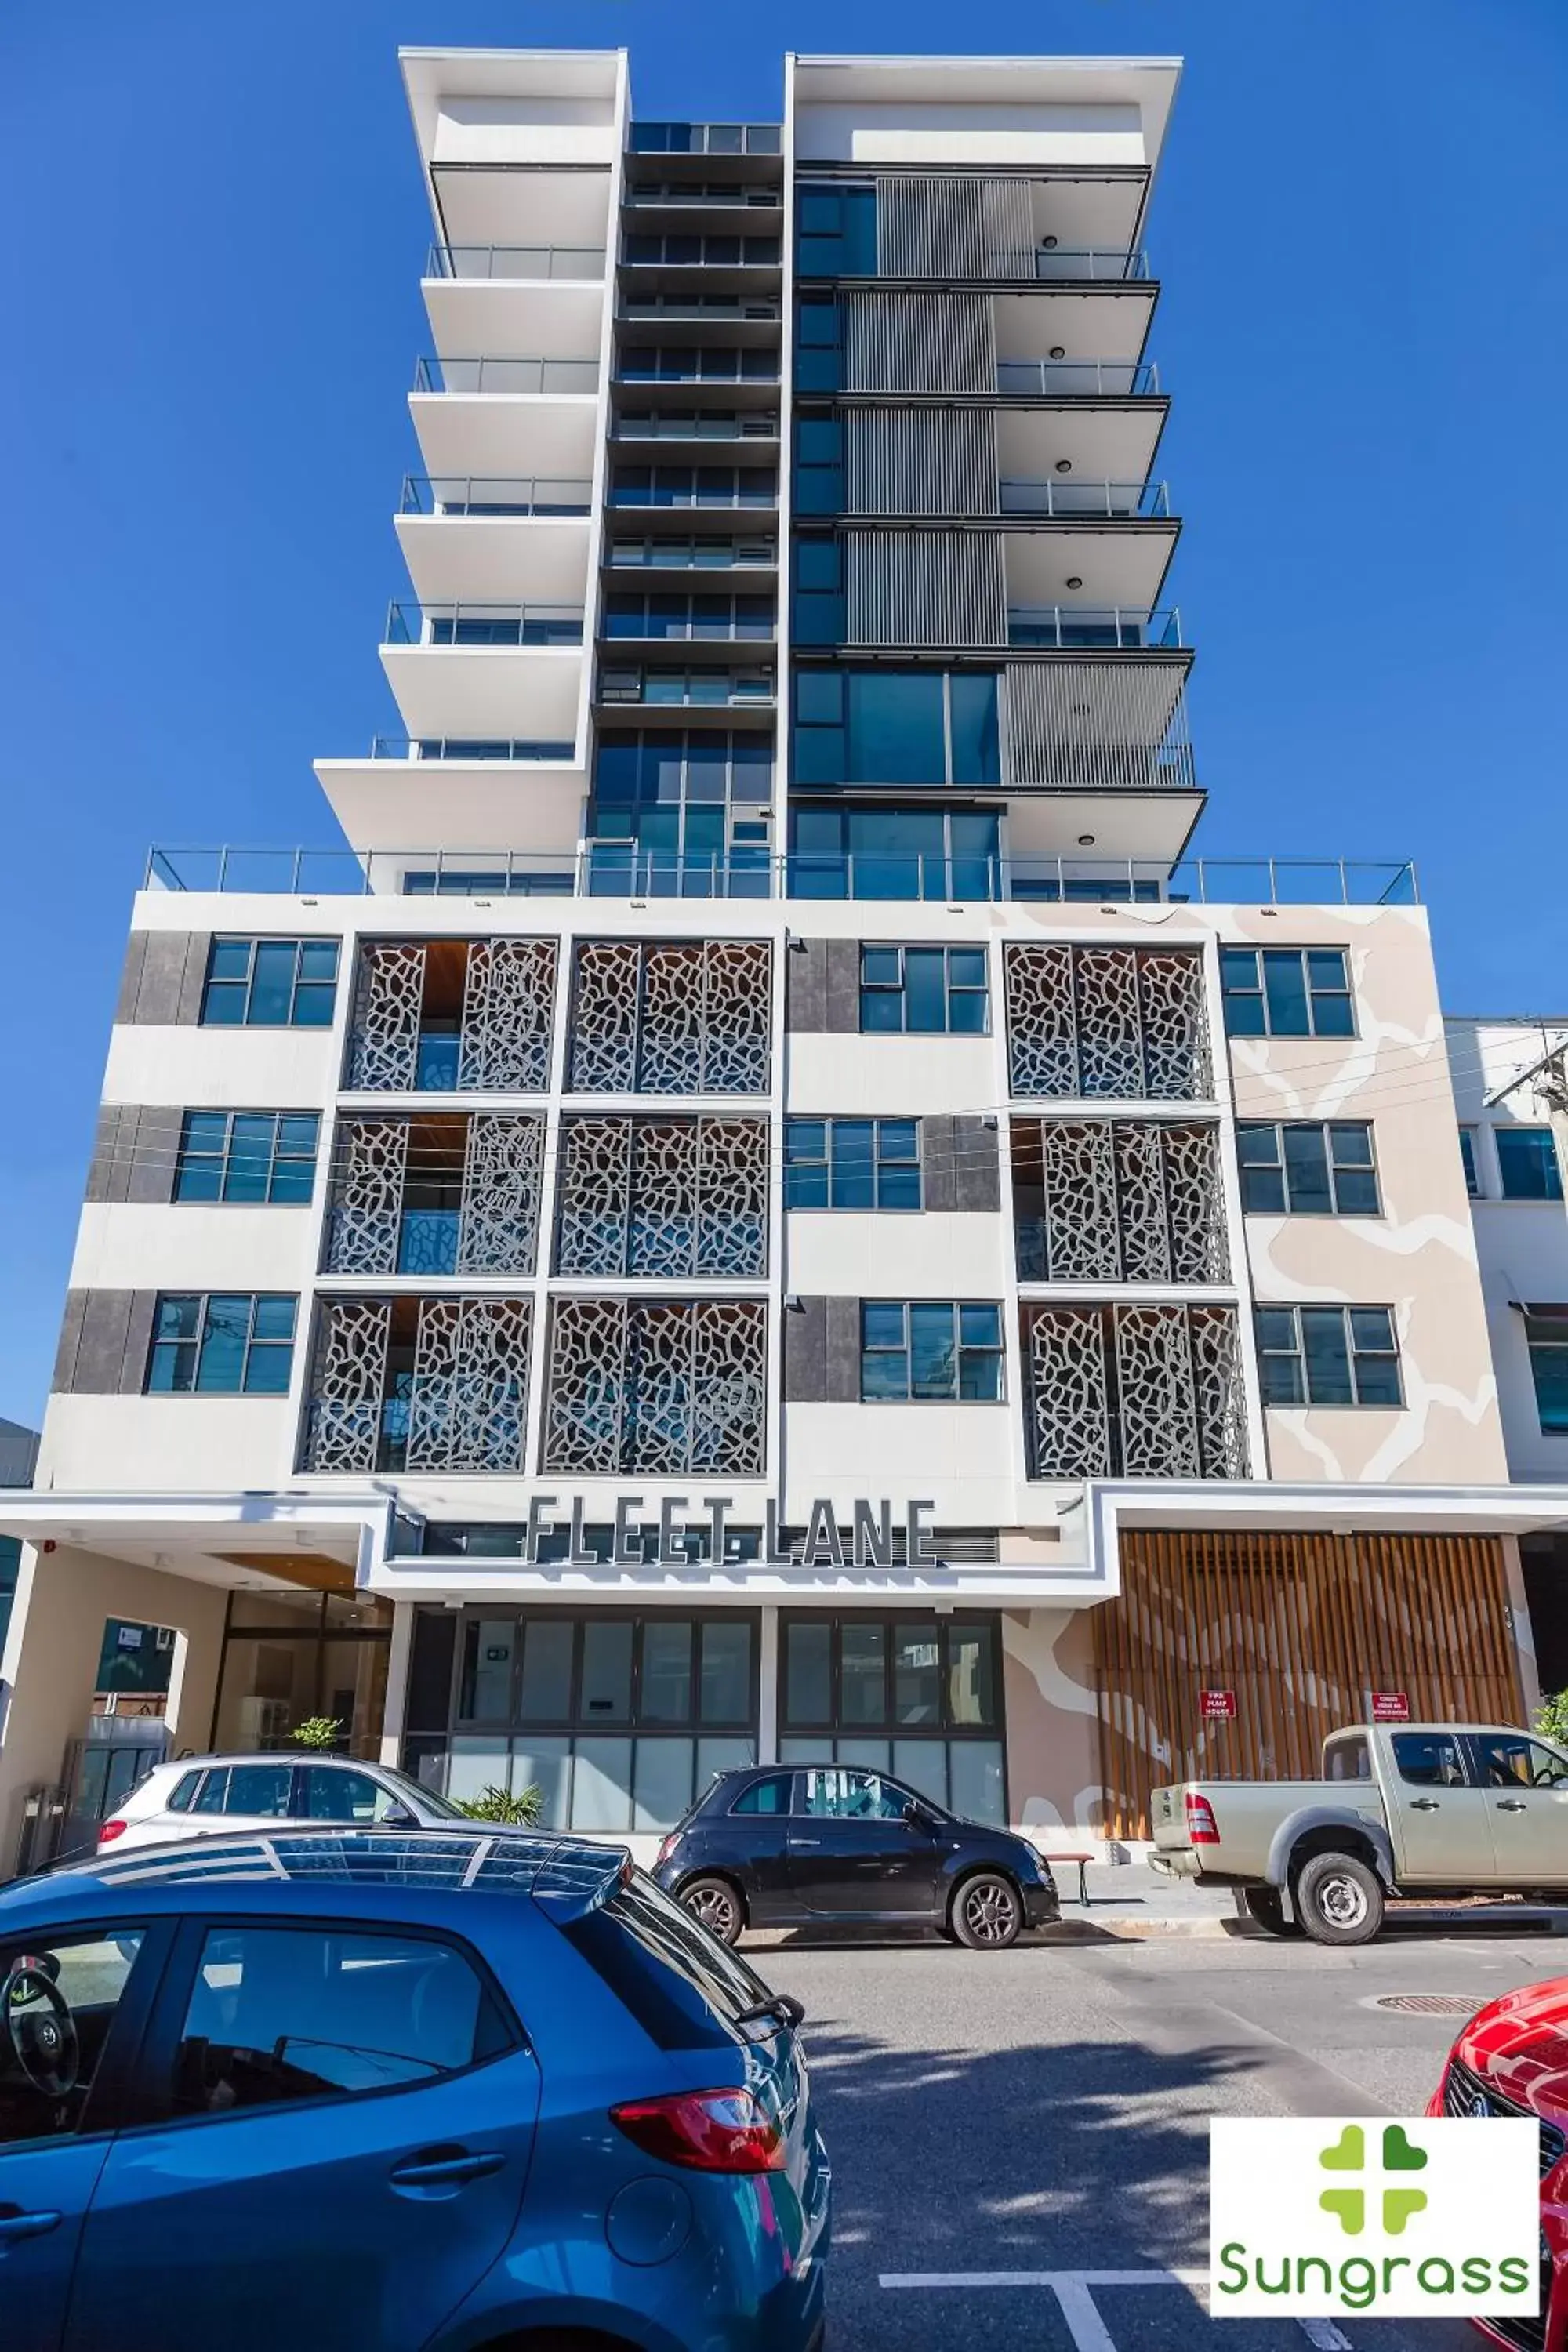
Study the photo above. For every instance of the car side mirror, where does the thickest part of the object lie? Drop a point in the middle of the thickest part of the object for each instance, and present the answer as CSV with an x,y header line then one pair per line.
x,y
399,1818
918,1817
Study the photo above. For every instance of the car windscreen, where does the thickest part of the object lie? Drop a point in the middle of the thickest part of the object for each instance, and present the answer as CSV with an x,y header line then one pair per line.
x,y
430,1798
685,1989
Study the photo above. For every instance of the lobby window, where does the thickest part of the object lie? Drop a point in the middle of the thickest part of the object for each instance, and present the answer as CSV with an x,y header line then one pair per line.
x,y
1546,1334
820,466
930,1351
230,1343
1307,1169
619,1719
842,852
246,1156
1528,1166
1285,993
896,726
924,991
1469,1163
920,1698
270,984
836,232
819,333
852,1163
1328,1356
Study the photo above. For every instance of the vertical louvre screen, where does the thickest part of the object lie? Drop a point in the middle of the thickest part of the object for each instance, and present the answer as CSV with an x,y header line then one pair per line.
x,y
1302,1627
925,588
1122,726
954,225
920,461
916,342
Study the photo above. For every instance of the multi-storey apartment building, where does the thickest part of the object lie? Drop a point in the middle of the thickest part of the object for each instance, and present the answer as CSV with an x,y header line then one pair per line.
x,y
766,1207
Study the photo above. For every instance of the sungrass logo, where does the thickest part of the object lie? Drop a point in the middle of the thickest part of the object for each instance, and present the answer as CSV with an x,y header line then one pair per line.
x,y
1406,2220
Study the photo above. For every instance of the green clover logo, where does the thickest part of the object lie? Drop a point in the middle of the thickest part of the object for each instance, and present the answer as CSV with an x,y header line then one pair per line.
x,y
1348,2154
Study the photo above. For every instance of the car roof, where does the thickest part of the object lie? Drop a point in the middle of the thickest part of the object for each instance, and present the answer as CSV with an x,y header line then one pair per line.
x,y
398,1874
264,1756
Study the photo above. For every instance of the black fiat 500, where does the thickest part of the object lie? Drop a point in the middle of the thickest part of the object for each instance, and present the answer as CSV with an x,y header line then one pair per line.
x,y
775,1847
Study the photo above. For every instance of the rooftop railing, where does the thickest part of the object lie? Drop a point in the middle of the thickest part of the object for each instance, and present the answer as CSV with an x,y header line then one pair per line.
x,y
498,375
469,747
705,139
1065,262
520,261
1081,628
1060,499
494,494
1079,379
484,624
620,869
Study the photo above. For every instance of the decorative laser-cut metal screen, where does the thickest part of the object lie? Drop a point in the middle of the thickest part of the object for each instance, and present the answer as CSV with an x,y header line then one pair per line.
x,y
508,1002
502,1041
1124,1200
1135,1392
493,1228
384,1048
348,1381
1127,1022
660,1387
666,1197
469,1405
672,1018
369,1169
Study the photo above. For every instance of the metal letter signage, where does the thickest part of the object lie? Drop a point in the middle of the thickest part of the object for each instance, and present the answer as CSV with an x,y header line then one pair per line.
x,y
860,1536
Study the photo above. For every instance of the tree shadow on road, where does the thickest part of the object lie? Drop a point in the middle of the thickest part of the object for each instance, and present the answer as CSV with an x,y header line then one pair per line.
x,y
1070,2154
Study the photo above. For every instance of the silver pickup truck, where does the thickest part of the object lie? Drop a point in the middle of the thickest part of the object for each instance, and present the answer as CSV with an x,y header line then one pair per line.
x,y
1418,1809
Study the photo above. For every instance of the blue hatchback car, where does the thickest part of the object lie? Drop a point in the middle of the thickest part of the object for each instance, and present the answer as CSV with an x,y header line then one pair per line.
x,y
376,2091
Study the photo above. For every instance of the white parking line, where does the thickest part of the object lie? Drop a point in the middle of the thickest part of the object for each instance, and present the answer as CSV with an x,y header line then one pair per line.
x,y
1074,2292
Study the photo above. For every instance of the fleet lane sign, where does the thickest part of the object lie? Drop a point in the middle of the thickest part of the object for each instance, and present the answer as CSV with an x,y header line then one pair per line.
x,y
1218,1706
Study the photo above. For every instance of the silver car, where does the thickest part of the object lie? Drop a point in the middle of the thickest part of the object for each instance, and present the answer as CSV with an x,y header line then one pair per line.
x,y
206,1795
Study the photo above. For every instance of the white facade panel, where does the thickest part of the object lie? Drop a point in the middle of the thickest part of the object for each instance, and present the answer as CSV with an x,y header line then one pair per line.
x,y
960,1458
892,1077
842,1254
186,1246
222,1069
915,132
215,1444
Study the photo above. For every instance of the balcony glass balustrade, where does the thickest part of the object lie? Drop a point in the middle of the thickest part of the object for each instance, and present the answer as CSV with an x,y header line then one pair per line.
x,y
1064,499
516,261
1077,379
489,375
695,689
696,425
495,494
1068,628
700,196
688,364
484,624
679,485
420,872
756,308
1074,262
680,249
705,139
467,747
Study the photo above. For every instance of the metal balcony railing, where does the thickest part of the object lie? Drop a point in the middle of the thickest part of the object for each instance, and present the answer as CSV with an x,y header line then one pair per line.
x,y
1063,262
715,366
753,307
1081,628
682,249
694,689
1079,379
484,624
503,375
662,197
705,139
494,494
674,495
620,869
518,261
1061,500
469,747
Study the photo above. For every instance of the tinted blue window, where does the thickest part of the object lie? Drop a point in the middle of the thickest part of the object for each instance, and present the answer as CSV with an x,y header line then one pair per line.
x,y
896,731
1528,1163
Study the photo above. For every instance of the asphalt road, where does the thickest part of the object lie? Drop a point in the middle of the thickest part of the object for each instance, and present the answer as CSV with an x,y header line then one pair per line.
x,y
1046,2110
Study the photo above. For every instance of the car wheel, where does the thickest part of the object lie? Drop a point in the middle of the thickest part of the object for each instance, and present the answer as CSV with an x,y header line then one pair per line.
x,y
715,1903
987,1913
1265,1906
1339,1900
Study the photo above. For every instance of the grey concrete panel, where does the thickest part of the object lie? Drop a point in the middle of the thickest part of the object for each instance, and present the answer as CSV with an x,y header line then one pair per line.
x,y
805,986
64,1377
138,1342
805,1352
131,976
977,1168
843,1351
842,988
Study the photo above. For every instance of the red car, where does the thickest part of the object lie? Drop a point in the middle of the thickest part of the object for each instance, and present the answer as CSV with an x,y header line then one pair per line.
x,y
1512,2059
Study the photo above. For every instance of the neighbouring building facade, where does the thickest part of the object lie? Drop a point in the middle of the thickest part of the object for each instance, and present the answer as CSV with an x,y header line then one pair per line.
x,y
766,1205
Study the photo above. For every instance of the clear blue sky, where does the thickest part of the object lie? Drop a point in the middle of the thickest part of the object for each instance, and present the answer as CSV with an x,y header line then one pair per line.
x,y
210,295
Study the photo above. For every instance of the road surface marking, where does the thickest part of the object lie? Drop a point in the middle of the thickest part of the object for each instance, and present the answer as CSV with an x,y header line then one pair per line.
x,y
1074,2292
1324,2334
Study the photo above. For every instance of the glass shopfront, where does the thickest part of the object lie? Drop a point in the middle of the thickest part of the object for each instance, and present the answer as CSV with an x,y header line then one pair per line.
x,y
620,1718
289,1653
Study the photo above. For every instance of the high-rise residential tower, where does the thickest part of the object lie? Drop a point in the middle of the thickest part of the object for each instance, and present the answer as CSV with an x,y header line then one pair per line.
x,y
765,1204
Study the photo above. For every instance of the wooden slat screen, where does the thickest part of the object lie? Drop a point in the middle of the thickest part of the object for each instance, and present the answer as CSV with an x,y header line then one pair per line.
x,y
1301,1627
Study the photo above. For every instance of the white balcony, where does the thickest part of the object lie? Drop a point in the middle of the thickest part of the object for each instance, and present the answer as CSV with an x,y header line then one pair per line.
x,y
509,672
1104,319
523,316
481,206
467,551
1104,561
1069,444
507,416
534,809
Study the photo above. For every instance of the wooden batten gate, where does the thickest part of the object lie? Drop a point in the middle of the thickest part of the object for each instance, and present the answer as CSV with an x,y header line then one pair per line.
x,y
1302,1628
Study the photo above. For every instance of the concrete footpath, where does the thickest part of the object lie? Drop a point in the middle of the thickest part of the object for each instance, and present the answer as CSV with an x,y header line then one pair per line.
x,y
1128,1900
